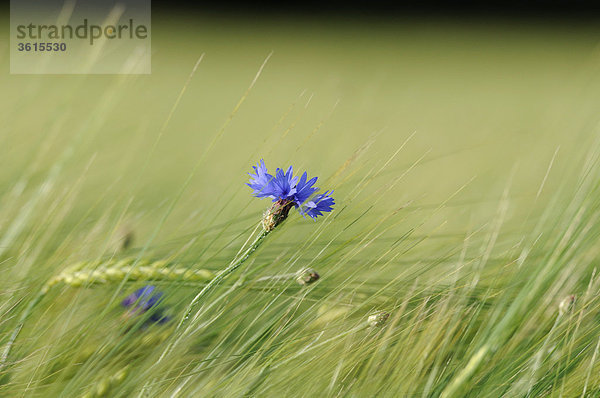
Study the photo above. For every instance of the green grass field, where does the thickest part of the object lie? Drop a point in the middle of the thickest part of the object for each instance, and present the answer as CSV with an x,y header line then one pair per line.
x,y
465,163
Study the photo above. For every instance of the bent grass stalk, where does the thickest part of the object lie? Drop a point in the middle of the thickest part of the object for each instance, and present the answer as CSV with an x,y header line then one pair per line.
x,y
223,274
157,270
376,320
17,329
111,272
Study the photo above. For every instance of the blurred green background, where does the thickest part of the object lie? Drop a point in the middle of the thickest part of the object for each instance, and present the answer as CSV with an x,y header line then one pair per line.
x,y
479,110
483,98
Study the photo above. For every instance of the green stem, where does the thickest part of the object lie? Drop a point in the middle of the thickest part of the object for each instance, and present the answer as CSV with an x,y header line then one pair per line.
x,y
222,275
17,329
207,288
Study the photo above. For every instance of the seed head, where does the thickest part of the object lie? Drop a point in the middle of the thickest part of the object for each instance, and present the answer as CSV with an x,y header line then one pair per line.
x,y
120,375
378,318
566,305
307,276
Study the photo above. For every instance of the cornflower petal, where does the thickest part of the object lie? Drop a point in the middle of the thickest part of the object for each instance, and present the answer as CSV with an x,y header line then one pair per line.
x,y
318,205
284,184
261,181
304,189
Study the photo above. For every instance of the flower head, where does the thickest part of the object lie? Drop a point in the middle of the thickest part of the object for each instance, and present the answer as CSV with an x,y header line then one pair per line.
x,y
288,191
378,318
566,304
306,276
142,300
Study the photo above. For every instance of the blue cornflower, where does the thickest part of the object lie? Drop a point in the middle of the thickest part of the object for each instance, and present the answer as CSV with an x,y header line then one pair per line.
x,y
142,300
287,191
